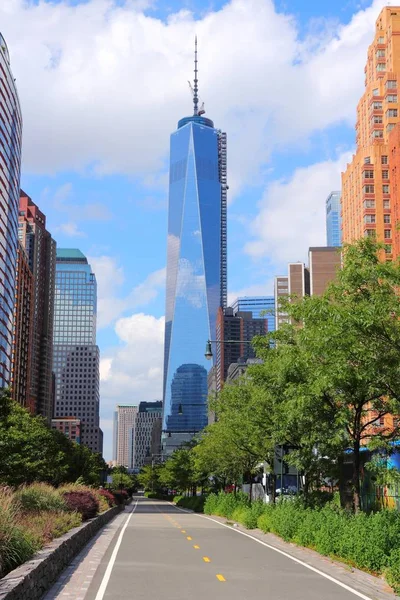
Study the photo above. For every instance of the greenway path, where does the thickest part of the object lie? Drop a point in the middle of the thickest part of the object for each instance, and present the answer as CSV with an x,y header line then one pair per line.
x,y
156,551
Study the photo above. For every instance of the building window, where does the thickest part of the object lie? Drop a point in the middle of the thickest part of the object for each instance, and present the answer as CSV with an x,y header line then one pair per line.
x,y
370,233
391,84
388,248
392,98
377,134
384,160
386,218
368,189
387,234
380,66
385,189
369,203
391,112
378,120
368,174
386,204
367,160
381,40
380,54
377,105
385,174
369,219
390,126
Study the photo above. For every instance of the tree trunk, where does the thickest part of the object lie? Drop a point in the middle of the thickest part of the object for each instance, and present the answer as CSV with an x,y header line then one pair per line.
x,y
251,491
356,477
272,484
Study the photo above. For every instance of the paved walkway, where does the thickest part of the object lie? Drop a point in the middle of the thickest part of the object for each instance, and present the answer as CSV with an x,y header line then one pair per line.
x,y
154,550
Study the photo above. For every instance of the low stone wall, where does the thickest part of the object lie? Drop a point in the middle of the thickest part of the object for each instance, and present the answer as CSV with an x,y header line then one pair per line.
x,y
31,580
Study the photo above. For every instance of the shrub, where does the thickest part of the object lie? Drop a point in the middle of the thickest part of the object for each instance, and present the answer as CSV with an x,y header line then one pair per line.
x,y
392,573
83,502
44,526
38,497
195,503
121,496
109,497
15,546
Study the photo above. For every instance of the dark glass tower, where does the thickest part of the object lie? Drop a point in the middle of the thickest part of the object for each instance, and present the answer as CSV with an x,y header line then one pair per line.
x,y
196,265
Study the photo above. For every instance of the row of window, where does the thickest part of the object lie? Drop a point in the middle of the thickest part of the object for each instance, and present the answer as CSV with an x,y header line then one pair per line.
x,y
371,204
384,160
372,219
369,174
370,189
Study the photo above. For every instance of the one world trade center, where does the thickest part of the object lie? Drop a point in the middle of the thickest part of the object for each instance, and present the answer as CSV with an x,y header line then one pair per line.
x,y
196,268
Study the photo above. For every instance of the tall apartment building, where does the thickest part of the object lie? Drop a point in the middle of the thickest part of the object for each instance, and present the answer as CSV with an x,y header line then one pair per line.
x,y
125,433
23,330
41,252
333,219
257,305
76,355
196,262
367,195
240,327
10,163
148,415
323,263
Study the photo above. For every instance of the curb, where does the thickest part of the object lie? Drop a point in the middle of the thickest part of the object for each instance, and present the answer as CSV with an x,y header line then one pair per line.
x,y
31,580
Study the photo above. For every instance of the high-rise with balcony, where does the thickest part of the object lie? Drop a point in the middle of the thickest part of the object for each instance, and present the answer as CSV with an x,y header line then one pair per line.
x,y
333,220
40,249
196,265
10,165
76,355
367,194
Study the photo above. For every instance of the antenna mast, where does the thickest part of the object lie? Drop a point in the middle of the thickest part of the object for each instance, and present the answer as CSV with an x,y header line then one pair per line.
x,y
195,88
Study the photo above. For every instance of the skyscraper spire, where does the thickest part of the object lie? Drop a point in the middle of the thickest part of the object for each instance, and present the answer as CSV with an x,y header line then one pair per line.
x,y
195,88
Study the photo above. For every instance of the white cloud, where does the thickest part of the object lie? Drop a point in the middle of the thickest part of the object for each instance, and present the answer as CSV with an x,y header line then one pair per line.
x,y
132,372
292,213
113,81
111,303
71,229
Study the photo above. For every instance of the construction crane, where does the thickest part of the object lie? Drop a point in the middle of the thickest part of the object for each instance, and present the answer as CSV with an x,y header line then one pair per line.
x,y
201,111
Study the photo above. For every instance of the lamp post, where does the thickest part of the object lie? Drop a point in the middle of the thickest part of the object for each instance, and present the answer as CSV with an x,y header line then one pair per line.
x,y
209,353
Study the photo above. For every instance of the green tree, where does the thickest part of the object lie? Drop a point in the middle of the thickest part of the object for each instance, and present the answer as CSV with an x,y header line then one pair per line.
x,y
149,477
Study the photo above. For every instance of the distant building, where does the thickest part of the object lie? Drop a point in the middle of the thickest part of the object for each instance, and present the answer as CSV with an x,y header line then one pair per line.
x,y
232,327
69,426
333,220
76,354
115,436
11,134
148,414
23,330
238,369
41,252
257,305
323,263
126,422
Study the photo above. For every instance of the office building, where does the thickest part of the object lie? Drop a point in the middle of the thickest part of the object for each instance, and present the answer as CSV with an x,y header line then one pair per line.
x,y
262,307
23,328
76,355
311,280
232,327
10,152
41,252
148,414
236,370
115,436
125,434
367,198
69,426
196,266
333,220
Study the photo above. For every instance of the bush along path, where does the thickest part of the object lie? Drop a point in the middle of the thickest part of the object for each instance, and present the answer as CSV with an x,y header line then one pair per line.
x,y
368,542
32,516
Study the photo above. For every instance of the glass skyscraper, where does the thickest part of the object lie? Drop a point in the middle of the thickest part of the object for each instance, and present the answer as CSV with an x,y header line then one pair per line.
x,y
257,305
75,353
333,220
196,265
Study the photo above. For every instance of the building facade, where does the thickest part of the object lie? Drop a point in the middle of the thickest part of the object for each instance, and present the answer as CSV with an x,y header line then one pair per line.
x,y
367,198
333,220
41,252
240,327
76,355
148,415
257,305
125,424
69,426
196,265
302,280
10,162
23,330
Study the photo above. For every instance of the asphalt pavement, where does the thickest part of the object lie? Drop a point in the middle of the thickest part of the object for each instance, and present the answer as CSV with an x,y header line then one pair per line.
x,y
161,552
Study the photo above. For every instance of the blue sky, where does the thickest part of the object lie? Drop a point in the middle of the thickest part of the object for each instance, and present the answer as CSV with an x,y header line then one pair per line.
x,y
102,86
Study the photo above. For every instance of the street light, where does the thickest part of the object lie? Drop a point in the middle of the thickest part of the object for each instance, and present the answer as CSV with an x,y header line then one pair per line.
x,y
209,353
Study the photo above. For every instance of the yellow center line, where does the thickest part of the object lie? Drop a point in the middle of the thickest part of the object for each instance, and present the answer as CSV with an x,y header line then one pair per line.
x,y
196,547
206,559
221,577
183,531
189,538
